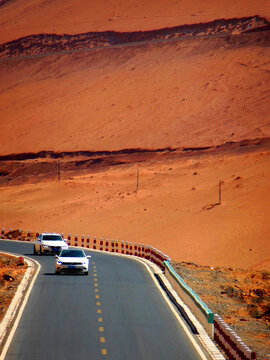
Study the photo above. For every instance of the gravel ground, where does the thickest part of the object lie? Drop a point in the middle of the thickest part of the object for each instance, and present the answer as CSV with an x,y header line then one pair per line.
x,y
241,297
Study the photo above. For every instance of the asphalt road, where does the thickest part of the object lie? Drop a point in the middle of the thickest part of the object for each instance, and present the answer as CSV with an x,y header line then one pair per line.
x,y
116,312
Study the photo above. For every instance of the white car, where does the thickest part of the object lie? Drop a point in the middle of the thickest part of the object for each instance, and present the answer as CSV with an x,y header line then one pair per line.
x,y
72,261
49,243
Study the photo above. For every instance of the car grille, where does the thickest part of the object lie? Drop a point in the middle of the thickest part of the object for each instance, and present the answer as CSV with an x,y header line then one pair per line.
x,y
71,263
55,248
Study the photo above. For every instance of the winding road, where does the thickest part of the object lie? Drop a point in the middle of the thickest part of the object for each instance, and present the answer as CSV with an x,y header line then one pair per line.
x,y
117,312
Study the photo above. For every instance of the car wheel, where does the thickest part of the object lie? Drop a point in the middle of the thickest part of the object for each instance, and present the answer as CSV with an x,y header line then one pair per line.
x,y
85,273
40,251
35,251
57,272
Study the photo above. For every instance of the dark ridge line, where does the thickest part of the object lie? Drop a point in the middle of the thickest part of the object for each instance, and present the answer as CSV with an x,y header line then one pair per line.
x,y
87,153
58,155
106,39
117,37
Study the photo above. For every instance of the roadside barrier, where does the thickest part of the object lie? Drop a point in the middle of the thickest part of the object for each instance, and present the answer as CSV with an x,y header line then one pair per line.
x,y
127,248
101,244
232,345
217,329
107,245
82,240
201,311
112,245
95,243
122,247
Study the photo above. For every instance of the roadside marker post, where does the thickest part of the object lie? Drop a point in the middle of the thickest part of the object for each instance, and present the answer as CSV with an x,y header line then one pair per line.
x,y
82,240
95,243
88,241
127,248
101,244
112,246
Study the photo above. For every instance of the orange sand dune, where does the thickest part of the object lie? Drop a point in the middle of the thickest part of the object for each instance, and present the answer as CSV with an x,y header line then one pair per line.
x,y
187,93
174,209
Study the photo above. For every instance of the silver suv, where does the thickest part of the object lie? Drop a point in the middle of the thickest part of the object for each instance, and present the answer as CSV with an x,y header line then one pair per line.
x,y
49,243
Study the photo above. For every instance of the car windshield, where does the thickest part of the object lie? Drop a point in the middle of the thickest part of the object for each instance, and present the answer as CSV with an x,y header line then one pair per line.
x,y
72,253
51,237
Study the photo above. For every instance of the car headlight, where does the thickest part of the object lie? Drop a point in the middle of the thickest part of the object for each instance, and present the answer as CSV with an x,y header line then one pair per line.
x,y
45,247
59,262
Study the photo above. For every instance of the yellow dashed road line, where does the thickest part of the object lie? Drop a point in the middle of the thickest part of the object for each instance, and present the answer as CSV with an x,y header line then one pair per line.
x,y
102,340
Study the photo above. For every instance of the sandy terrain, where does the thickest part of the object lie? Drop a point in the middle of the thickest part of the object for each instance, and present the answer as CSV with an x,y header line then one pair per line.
x,y
187,108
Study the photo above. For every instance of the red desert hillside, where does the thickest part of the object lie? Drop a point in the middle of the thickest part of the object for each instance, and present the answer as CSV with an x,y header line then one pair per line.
x,y
178,90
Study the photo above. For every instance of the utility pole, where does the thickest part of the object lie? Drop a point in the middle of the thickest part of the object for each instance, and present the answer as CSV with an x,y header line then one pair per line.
x,y
58,170
219,192
137,188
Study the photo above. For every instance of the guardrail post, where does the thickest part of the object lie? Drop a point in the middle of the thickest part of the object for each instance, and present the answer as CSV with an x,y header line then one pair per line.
x,y
122,247
2,233
101,244
94,243
135,249
20,235
82,240
130,248
69,239
88,241
116,246
127,248
10,233
76,240
143,251
139,250
28,235
112,246
107,245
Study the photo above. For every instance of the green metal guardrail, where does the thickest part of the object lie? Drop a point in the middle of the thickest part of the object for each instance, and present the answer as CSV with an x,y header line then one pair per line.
x,y
202,306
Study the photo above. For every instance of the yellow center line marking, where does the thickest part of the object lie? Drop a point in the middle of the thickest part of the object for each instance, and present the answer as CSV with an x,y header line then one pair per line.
x,y
102,339
101,329
95,284
96,290
99,311
100,319
97,296
95,279
103,352
95,274
98,303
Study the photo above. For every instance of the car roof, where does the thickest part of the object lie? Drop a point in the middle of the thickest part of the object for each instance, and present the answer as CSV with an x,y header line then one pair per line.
x,y
47,233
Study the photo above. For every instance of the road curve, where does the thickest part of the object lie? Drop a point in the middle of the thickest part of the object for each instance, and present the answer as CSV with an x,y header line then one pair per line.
x,y
117,313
